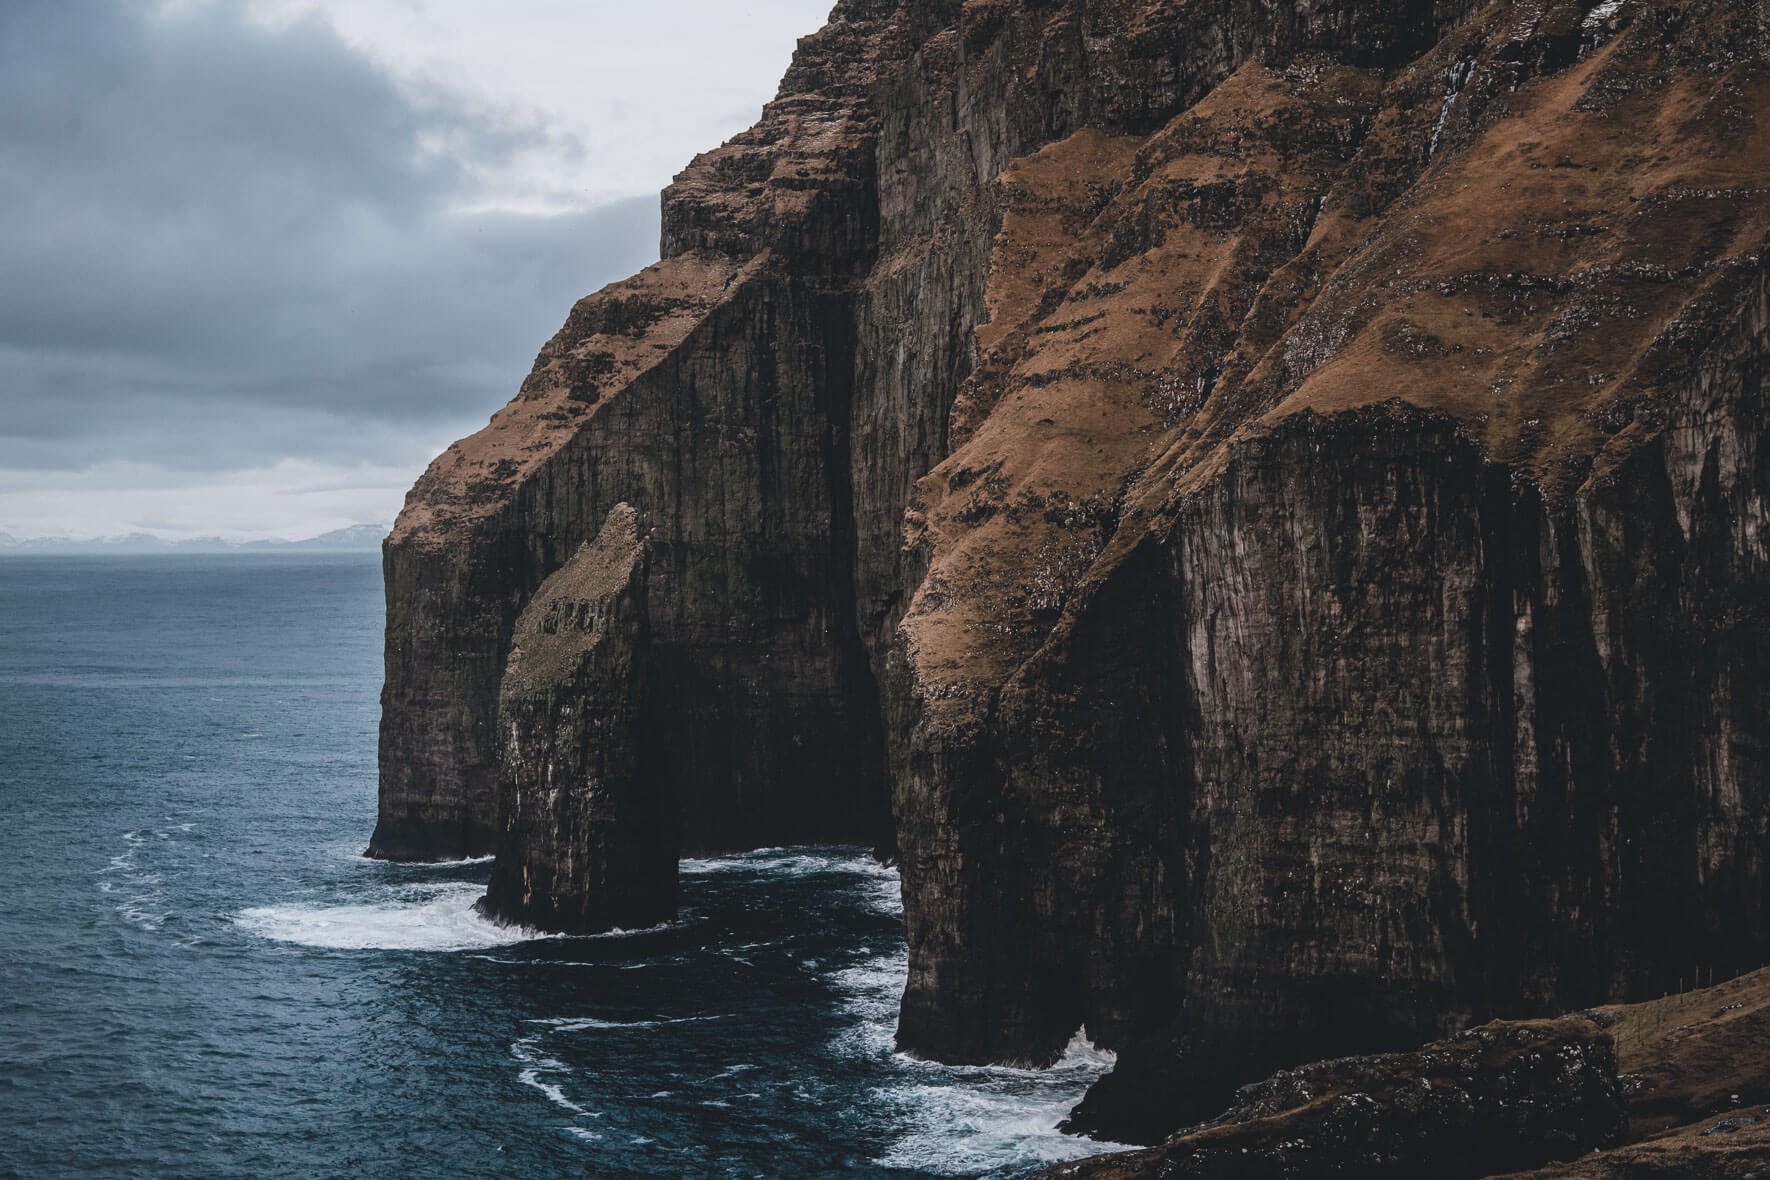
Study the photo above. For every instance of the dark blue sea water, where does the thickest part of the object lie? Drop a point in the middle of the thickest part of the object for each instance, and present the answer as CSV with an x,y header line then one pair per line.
x,y
200,976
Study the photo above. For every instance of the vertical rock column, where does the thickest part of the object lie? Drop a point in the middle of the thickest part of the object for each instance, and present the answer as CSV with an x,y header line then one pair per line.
x,y
589,839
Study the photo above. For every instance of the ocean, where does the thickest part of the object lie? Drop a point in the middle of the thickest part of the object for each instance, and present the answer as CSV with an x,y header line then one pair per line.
x,y
201,976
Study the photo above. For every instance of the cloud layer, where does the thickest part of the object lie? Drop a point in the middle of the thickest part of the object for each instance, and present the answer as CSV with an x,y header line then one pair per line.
x,y
232,247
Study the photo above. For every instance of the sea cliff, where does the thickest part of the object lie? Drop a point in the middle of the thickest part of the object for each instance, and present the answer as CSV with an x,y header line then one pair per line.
x,y
1261,506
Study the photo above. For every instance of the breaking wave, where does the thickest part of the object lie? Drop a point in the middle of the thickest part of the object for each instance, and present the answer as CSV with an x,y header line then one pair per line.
x,y
991,1120
437,917
964,1120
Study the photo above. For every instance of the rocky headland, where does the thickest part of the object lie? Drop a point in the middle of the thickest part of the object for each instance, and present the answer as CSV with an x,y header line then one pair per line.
x,y
1669,1089
1261,506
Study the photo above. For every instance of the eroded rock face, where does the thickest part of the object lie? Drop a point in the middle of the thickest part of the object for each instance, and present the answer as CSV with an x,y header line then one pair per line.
x,y
1312,613
1495,1099
589,839
1672,1087
1273,495
712,393
767,396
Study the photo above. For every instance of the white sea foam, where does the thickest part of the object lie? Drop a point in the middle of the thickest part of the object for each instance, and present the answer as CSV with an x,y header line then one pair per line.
x,y
963,1120
536,1066
761,858
885,893
546,1074
532,1077
784,862
143,910
351,850
1083,1054
732,1071
648,964
881,887
870,994
458,862
140,893
582,1023
682,923
966,1130
436,917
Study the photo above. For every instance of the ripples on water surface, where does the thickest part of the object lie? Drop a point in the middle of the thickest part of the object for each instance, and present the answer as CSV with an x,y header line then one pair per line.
x,y
202,977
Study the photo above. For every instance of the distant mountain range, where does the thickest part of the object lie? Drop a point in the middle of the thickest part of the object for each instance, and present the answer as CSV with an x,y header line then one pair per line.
x,y
358,538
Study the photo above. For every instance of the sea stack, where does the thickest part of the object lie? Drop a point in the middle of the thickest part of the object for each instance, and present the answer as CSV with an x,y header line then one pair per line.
x,y
588,840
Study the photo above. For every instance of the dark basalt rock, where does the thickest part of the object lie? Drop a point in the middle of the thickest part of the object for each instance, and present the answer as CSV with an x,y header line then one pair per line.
x,y
1272,496
1688,1070
1384,673
589,840
1499,1098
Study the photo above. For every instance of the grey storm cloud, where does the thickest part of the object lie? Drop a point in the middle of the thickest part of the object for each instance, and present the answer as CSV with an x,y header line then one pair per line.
x,y
223,244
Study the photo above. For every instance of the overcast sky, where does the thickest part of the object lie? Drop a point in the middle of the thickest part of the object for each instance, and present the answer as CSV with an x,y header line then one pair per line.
x,y
261,259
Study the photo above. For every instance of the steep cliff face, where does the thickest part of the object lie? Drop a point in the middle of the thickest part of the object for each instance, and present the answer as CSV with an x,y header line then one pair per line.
x,y
711,393
1323,623
1274,495
588,839
767,396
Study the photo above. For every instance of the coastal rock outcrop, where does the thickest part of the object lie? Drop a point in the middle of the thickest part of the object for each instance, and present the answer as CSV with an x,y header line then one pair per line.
x,y
1264,506
1673,1088
1499,1098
